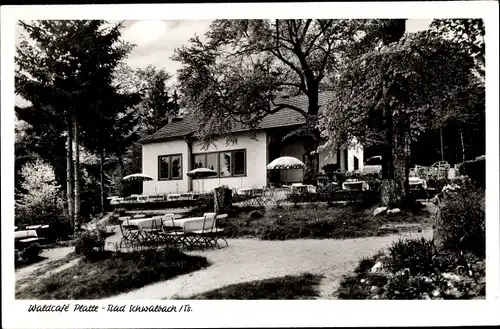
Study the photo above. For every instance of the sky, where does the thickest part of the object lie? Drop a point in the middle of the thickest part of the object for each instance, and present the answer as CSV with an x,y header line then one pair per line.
x,y
156,41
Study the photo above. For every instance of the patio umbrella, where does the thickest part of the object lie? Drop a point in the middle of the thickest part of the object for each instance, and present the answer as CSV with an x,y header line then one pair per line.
x,y
285,163
138,178
202,173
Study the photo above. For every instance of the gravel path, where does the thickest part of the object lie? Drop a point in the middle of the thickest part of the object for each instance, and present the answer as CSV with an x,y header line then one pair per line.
x,y
252,259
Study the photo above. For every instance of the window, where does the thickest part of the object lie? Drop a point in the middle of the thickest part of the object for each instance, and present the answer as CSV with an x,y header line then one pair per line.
x,y
226,163
170,167
199,161
176,167
211,161
239,162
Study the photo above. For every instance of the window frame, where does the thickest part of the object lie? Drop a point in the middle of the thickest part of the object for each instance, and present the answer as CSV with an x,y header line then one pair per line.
x,y
218,155
169,156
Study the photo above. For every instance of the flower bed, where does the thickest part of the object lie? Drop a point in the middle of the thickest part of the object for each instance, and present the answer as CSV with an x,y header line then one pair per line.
x,y
412,269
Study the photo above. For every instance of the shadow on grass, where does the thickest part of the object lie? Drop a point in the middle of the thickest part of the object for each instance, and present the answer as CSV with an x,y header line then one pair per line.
x,y
303,286
113,273
21,264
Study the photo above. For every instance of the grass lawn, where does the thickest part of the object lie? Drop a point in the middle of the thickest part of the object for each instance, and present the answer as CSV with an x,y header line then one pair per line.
x,y
113,274
317,221
303,286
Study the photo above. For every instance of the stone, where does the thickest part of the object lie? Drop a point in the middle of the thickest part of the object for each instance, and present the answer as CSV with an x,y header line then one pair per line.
x,y
379,210
377,267
451,276
394,211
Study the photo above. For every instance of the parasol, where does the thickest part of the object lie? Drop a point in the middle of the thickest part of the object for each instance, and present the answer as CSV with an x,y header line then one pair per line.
x,y
137,178
285,163
201,173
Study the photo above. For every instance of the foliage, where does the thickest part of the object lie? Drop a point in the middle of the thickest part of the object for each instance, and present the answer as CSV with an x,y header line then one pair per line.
x,y
475,170
90,244
468,34
64,69
303,286
437,183
415,79
436,275
31,252
412,254
463,221
114,274
234,76
205,204
41,202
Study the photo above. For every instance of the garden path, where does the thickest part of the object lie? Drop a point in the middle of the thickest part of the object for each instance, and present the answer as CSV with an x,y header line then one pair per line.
x,y
252,259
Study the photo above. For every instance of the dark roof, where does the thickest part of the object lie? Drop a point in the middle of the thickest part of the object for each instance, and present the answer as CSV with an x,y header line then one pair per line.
x,y
285,117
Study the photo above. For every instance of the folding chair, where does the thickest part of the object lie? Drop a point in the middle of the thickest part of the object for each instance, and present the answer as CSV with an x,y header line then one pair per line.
x,y
131,235
214,234
175,235
199,237
153,233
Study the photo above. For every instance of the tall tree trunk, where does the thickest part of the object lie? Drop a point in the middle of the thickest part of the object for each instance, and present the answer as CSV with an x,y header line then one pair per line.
x,y
391,190
441,142
102,181
311,142
461,133
70,201
122,172
77,177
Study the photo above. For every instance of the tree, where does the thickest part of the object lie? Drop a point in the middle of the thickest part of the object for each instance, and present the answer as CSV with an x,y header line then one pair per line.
x,y
468,35
65,66
156,105
393,93
236,76
41,200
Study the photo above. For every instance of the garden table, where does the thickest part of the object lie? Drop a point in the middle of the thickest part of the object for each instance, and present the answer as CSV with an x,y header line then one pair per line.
x,y
353,185
245,191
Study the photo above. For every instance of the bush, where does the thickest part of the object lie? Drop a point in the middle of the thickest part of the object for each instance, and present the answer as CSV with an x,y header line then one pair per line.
x,y
91,244
437,183
412,254
443,278
463,221
31,253
40,198
475,170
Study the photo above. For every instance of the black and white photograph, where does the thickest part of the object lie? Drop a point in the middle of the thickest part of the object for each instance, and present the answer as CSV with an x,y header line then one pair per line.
x,y
175,160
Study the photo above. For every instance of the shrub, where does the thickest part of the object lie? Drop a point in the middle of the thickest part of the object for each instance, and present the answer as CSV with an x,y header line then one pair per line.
x,y
463,221
475,170
404,287
90,244
40,200
437,183
413,254
31,253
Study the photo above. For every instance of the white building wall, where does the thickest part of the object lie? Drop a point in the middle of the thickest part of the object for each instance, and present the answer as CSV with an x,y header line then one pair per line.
x,y
256,158
356,151
328,157
150,153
